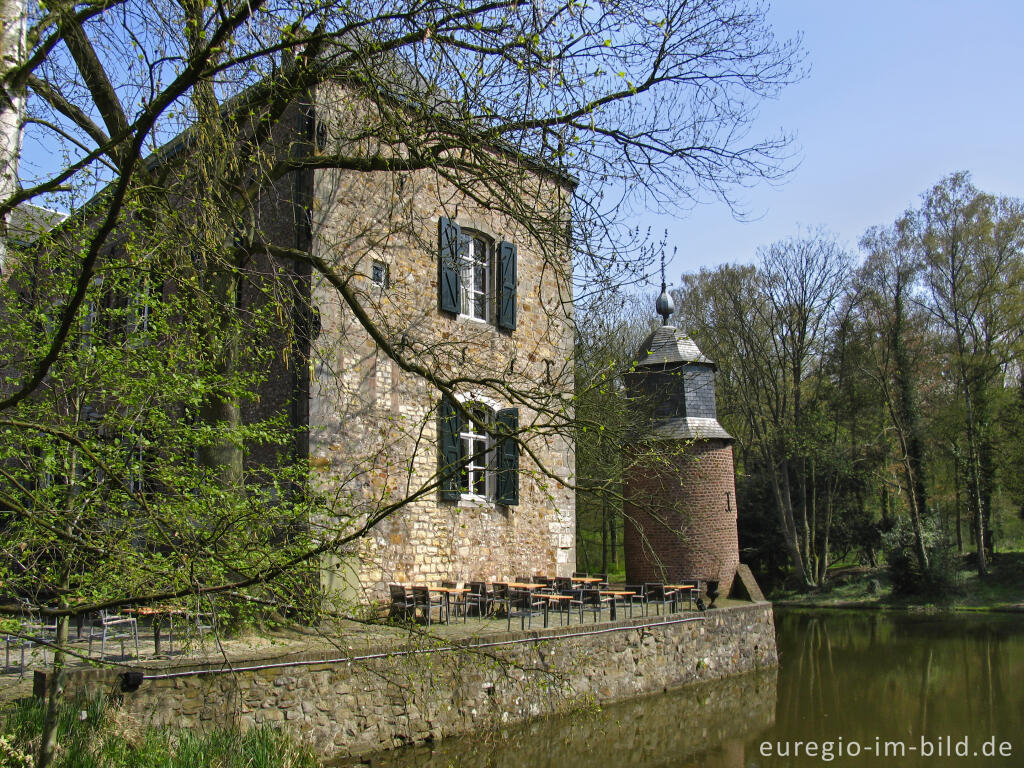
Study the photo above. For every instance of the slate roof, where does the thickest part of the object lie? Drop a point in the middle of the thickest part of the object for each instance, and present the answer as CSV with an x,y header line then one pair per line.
x,y
27,222
667,344
689,428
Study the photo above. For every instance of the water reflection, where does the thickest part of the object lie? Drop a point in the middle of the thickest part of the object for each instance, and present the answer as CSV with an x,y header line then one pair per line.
x,y
707,725
891,685
899,683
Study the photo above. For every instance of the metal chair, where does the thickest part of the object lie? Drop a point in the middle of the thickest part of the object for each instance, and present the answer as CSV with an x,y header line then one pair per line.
x,y
22,641
640,598
479,598
402,603
424,600
501,598
658,595
201,620
113,626
523,605
589,600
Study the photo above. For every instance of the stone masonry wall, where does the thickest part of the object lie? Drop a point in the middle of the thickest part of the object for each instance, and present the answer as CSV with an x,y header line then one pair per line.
x,y
357,706
680,517
373,418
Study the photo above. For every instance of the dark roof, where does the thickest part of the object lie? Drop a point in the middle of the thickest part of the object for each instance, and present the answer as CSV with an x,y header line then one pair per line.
x,y
689,428
666,344
27,222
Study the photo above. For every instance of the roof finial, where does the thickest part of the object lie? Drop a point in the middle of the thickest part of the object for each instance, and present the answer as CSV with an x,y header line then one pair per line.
x,y
664,305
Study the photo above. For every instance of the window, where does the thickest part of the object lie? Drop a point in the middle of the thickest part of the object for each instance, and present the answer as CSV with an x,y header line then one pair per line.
x,y
477,464
476,278
476,269
379,274
479,456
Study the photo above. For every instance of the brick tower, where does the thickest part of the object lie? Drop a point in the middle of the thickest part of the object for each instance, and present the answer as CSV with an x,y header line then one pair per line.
x,y
679,483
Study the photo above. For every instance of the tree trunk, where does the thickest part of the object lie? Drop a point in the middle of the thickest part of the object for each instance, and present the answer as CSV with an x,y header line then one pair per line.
x,y
54,695
784,505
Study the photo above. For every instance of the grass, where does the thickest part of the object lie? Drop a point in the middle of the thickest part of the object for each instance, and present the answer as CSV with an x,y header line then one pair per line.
x,y
93,734
1003,589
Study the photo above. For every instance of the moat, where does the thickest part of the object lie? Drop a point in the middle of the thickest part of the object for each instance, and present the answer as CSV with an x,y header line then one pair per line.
x,y
853,688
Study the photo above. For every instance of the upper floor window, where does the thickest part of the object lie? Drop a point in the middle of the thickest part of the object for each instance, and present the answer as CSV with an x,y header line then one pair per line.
x,y
476,278
476,268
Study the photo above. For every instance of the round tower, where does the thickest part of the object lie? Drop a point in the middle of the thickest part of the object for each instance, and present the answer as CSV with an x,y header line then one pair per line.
x,y
679,481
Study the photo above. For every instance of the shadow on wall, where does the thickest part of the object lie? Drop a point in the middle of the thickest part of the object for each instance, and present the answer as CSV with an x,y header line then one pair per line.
x,y
711,721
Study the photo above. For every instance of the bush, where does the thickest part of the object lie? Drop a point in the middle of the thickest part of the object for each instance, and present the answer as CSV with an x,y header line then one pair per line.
x,y
908,577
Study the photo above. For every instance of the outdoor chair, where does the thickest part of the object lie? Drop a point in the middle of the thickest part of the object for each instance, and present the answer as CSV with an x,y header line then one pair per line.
x,y
589,600
500,598
523,605
640,598
402,605
659,596
545,580
562,583
603,583
479,599
23,641
113,626
427,602
201,620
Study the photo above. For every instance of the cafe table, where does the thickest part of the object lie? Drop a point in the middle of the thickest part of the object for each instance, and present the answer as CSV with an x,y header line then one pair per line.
x,y
448,593
558,601
677,588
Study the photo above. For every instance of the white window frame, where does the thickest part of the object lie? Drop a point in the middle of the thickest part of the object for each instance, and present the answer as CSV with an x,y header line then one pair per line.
x,y
476,259
488,466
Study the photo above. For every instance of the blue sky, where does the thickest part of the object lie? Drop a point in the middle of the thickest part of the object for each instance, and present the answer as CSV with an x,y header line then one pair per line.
x,y
899,95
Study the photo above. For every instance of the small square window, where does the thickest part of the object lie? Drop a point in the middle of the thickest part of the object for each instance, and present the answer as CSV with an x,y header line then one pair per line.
x,y
379,274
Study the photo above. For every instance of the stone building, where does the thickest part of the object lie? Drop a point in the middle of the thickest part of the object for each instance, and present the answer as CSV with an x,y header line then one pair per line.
x,y
452,287
680,508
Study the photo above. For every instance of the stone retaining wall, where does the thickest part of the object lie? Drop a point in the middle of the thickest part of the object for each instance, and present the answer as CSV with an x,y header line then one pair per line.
x,y
427,691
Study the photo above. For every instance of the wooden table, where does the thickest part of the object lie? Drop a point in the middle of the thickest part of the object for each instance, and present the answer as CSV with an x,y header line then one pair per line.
x,y
614,593
587,579
448,592
677,588
560,600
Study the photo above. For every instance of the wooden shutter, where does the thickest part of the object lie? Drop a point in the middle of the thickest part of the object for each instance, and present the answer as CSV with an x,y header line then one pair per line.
x,y
448,265
507,256
450,449
507,480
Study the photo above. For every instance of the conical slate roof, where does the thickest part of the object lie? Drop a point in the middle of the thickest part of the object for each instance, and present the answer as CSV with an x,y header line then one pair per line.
x,y
667,344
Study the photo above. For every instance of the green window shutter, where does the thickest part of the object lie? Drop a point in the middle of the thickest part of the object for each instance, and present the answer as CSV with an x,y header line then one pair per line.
x,y
448,265
507,256
450,449
507,480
